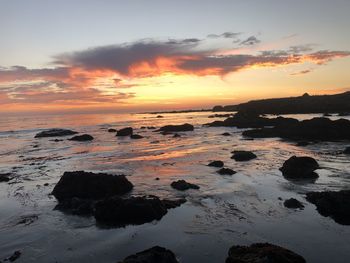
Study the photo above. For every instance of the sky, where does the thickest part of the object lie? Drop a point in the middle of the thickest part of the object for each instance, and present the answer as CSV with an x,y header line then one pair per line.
x,y
127,56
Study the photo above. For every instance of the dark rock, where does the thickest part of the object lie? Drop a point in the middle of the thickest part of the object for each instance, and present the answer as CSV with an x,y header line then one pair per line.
x,y
300,168
152,255
303,143
5,177
182,185
14,256
82,138
216,164
177,128
176,135
226,134
242,156
321,129
347,150
159,116
136,136
112,130
293,203
27,220
76,206
125,132
173,203
157,178
55,133
116,211
262,253
88,185
220,115
151,127
226,171
335,204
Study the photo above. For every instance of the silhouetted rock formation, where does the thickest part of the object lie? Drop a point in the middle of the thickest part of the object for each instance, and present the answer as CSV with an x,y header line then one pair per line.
x,y
321,129
294,105
112,130
293,203
333,204
176,128
182,185
82,138
118,212
136,136
262,253
242,156
87,185
125,132
300,168
55,133
5,177
153,255
216,164
226,171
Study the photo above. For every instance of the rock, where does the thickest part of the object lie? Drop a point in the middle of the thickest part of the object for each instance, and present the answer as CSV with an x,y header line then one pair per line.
x,y
151,127
125,132
242,156
55,133
160,116
300,168
176,128
87,185
112,130
27,220
347,150
226,134
176,135
5,177
335,204
76,206
182,185
303,143
136,136
116,211
293,203
14,256
226,171
82,138
320,129
327,114
173,203
216,164
220,115
153,255
262,253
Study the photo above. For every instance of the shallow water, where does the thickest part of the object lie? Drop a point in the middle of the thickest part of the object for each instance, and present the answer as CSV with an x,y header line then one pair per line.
x,y
227,210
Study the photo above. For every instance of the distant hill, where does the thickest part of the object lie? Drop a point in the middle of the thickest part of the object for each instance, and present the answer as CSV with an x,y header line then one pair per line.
x,y
338,103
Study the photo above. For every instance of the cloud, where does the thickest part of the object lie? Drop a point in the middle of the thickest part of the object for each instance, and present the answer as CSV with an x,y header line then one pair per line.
x,y
302,72
94,75
225,35
252,40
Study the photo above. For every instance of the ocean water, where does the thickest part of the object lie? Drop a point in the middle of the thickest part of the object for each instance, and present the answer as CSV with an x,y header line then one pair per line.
x,y
227,210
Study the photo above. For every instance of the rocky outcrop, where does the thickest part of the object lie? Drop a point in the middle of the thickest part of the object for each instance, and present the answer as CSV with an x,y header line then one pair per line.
x,y
182,185
176,128
293,204
153,255
128,131
335,204
136,136
55,133
112,130
87,185
320,129
216,164
262,253
116,211
5,177
242,156
226,171
82,138
300,168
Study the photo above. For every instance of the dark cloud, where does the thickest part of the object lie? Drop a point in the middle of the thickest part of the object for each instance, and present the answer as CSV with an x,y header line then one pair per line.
x,y
252,40
225,35
302,72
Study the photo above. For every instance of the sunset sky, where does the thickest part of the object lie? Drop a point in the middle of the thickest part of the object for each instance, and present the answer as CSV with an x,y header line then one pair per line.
x,y
76,56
